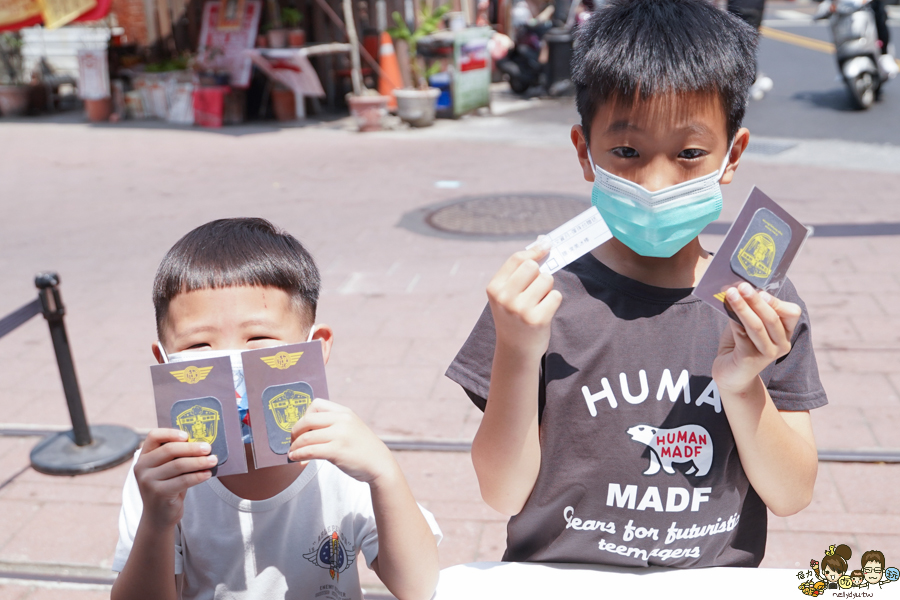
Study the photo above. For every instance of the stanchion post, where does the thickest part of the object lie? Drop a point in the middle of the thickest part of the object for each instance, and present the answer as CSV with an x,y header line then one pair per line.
x,y
54,311
84,449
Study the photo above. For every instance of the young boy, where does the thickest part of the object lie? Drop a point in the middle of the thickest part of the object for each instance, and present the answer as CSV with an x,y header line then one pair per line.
x,y
293,531
626,422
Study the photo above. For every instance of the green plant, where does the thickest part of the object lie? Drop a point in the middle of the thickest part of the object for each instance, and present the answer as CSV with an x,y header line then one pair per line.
x,y
291,17
178,63
12,69
429,20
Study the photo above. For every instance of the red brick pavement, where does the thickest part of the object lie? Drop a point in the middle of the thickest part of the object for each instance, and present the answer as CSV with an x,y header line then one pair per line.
x,y
102,205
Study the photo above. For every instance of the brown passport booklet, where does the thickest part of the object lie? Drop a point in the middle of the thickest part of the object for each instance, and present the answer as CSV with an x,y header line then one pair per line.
x,y
759,248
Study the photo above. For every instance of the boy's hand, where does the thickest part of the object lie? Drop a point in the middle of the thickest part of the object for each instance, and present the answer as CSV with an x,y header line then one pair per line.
x,y
765,337
167,467
523,303
332,432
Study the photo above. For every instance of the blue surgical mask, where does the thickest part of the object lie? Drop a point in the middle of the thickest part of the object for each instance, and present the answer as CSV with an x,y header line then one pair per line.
x,y
237,372
657,223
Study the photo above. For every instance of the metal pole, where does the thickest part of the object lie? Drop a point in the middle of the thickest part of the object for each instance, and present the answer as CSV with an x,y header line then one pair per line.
x,y
54,311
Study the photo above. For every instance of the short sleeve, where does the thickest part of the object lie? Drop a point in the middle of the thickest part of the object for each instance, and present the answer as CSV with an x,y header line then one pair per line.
x,y
130,517
472,366
793,380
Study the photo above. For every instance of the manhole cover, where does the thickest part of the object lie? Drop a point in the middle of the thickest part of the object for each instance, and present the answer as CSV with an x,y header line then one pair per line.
x,y
505,215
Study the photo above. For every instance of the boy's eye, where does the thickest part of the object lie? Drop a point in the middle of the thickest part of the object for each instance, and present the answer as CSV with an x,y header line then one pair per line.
x,y
625,152
198,346
692,153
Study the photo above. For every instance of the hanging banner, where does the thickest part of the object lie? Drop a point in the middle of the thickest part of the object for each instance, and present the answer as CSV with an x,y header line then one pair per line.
x,y
14,11
57,13
93,75
231,43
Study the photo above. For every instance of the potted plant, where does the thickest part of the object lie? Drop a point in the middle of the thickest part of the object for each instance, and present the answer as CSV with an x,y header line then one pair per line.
x,y
368,107
416,105
13,87
291,17
276,34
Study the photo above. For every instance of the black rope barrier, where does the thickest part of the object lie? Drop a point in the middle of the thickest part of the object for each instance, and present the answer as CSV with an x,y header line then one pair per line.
x,y
19,317
83,449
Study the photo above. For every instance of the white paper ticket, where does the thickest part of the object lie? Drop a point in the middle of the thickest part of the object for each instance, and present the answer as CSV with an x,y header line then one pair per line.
x,y
573,239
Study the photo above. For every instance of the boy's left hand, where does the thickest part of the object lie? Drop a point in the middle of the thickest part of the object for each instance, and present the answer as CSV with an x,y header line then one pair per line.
x,y
765,337
332,432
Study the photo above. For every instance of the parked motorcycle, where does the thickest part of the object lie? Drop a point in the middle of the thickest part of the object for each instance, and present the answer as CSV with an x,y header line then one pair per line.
x,y
856,48
522,64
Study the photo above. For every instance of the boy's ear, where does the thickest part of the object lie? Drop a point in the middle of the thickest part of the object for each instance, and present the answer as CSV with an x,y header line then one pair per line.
x,y
157,354
741,140
581,148
324,334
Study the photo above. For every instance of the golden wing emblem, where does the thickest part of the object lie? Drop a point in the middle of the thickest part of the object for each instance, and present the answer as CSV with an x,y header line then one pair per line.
x,y
282,360
191,374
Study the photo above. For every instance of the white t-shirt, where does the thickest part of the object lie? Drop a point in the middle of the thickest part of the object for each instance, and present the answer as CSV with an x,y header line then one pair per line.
x,y
282,547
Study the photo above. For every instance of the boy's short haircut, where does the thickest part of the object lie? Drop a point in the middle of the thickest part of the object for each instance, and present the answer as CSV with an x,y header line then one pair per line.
x,y
873,556
236,252
632,49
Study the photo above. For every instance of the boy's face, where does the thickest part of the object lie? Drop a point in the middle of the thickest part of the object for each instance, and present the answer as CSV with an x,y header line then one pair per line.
x,y
872,571
661,141
235,318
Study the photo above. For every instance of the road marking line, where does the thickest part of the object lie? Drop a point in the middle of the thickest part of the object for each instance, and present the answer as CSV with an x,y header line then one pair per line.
x,y
800,40
797,40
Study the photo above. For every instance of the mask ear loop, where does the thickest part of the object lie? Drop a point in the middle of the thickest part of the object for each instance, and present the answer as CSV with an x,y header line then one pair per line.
x,y
726,161
312,330
162,352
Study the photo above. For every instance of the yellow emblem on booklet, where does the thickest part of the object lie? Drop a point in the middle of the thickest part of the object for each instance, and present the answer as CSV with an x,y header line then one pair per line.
x,y
192,374
282,360
287,408
758,255
200,423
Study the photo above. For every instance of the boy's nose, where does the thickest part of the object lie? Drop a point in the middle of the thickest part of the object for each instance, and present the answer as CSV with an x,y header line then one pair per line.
x,y
657,175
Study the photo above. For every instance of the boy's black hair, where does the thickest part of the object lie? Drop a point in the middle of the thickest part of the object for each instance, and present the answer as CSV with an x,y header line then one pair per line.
x,y
234,252
631,49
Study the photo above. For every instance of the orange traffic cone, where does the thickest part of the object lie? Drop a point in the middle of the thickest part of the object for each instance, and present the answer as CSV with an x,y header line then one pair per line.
x,y
389,79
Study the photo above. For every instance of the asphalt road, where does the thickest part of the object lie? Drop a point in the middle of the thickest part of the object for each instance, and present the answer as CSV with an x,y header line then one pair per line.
x,y
808,102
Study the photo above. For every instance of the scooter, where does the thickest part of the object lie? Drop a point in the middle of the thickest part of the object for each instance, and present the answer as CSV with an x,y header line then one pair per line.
x,y
856,48
522,64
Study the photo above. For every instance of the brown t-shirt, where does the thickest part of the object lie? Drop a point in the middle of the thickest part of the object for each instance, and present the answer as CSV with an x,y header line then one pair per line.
x,y
638,463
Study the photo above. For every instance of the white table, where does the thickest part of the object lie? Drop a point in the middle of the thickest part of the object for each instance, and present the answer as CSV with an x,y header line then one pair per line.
x,y
291,67
541,581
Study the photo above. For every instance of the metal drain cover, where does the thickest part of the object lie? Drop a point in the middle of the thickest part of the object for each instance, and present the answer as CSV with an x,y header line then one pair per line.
x,y
501,216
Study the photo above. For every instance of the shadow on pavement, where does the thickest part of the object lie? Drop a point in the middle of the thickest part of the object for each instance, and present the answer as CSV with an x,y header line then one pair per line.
x,y
836,99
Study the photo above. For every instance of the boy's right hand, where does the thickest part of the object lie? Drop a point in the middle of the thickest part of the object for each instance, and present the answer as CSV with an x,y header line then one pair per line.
x,y
167,467
523,302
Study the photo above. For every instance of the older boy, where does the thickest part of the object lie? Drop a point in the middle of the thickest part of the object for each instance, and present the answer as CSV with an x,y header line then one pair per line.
x,y
626,422
293,531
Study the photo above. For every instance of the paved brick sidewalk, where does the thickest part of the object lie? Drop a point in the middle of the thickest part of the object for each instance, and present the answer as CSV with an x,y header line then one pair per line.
x,y
102,204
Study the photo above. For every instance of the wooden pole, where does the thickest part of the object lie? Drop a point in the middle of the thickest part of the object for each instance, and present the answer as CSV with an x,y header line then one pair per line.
x,y
355,71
